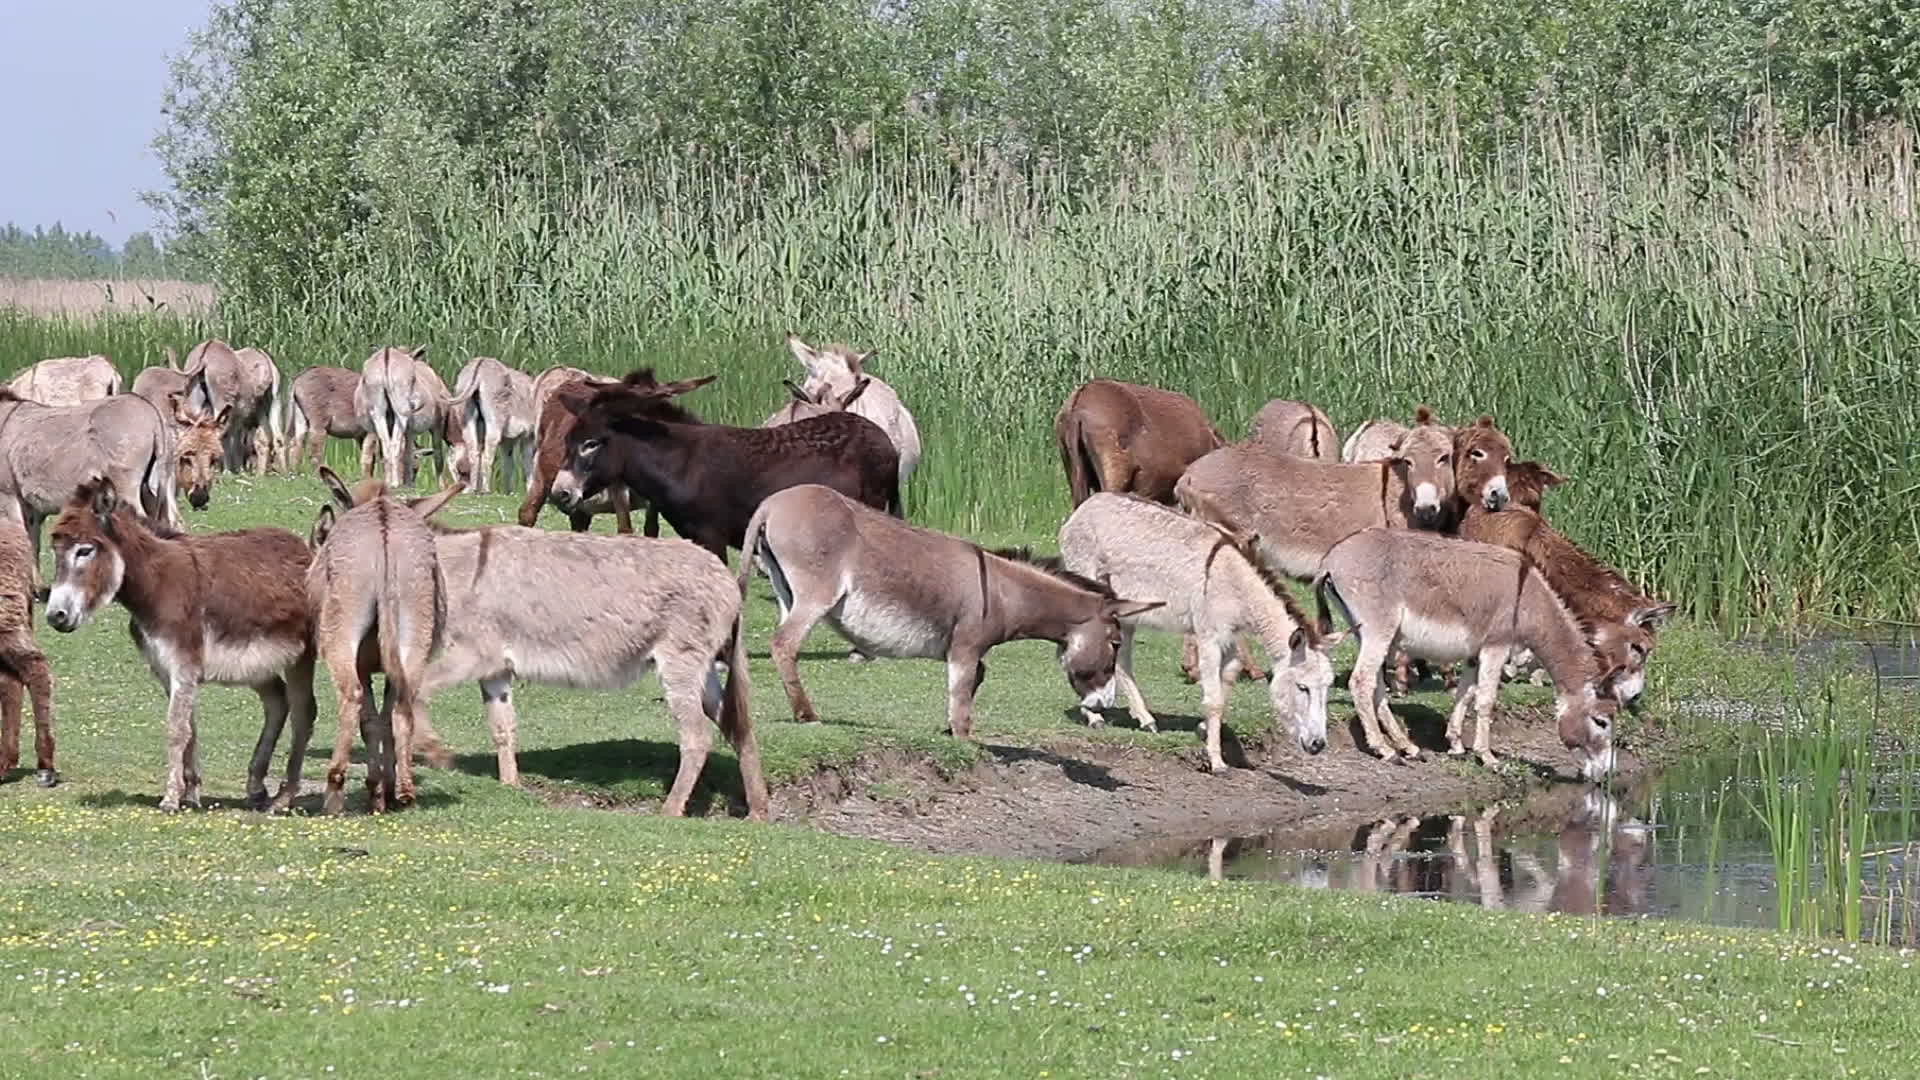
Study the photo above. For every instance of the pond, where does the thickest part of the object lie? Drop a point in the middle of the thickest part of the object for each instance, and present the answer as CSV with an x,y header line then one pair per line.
x,y
1690,843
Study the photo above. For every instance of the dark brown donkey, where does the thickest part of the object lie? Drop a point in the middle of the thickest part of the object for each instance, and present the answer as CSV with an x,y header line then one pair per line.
x,y
707,479
22,664
227,608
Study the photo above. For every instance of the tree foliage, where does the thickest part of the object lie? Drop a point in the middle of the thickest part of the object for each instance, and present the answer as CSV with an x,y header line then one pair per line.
x,y
53,252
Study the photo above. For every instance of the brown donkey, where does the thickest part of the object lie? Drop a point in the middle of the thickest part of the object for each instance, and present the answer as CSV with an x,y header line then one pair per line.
x,y
226,608
894,589
199,446
22,664
380,607
559,393
1123,437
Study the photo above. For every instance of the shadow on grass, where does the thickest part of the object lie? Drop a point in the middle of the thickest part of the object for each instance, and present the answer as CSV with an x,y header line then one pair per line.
x,y
1080,772
614,772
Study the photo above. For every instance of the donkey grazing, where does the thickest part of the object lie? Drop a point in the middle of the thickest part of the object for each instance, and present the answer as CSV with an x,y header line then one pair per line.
x,y
1210,588
46,451
838,373
379,599
1122,437
708,479
224,608
1446,599
67,380
1294,427
22,665
400,396
324,406
493,407
894,589
198,450
559,393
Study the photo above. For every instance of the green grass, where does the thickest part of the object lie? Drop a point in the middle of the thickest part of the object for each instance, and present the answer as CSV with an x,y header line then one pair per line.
x,y
487,932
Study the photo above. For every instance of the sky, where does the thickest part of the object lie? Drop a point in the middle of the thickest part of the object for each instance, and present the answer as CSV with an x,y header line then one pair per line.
x,y
82,84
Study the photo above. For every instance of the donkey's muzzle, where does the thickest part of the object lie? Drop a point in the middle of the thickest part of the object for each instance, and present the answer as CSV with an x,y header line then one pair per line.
x,y
1314,746
198,498
1426,517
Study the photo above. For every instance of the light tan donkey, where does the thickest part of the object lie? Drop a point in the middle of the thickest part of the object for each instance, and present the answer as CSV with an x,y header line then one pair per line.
x,y
379,599
493,410
838,373
68,380
398,397
1212,589
1294,427
23,667
324,407
894,589
515,611
227,608
1445,599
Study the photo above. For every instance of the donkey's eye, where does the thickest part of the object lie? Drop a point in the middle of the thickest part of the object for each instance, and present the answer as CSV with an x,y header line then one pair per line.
x,y
82,552
1478,455
1302,687
1446,459
590,447
1602,722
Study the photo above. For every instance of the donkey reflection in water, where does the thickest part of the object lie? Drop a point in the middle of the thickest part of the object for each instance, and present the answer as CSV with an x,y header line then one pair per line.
x,y
894,589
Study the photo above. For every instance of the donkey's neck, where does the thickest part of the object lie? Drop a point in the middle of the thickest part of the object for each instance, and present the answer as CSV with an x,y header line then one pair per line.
x,y
1027,602
1261,610
652,459
1549,628
150,565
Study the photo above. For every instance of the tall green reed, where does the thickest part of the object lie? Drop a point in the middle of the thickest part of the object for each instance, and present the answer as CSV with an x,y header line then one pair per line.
x,y
1715,344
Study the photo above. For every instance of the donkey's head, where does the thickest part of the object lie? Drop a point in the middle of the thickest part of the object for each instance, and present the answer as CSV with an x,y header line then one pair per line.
x,y
87,563
835,369
636,407
1586,721
1624,648
1527,484
1482,455
365,492
197,449
823,399
1424,457
1302,680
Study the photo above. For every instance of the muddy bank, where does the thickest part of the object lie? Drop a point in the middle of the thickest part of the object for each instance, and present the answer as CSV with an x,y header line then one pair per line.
x,y
1078,800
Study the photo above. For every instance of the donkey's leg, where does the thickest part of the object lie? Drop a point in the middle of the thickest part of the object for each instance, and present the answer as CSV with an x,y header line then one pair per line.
x,y
30,664
622,501
1395,730
1249,668
489,449
33,518
1462,693
1363,683
273,706
785,648
10,698
301,708
350,690
496,697
1123,674
965,672
1189,658
182,697
682,679
1492,659
1213,694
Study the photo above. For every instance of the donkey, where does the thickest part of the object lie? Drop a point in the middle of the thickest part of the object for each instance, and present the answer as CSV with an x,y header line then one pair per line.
x,y
493,407
1447,599
1294,427
160,382
379,597
1621,619
895,589
247,380
707,479
223,608
198,448
838,373
46,451
401,396
324,407
1212,589
663,604
1122,437
1375,440
806,406
22,665
558,394
68,380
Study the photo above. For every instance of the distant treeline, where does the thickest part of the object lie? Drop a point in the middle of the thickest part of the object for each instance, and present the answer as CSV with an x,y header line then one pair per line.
x,y
53,252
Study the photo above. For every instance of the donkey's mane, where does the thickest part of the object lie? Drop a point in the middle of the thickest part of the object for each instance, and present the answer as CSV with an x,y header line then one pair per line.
x,y
1052,566
1272,581
7,394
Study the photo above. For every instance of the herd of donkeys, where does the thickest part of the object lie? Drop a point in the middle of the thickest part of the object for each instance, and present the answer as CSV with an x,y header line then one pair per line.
x,y
1427,540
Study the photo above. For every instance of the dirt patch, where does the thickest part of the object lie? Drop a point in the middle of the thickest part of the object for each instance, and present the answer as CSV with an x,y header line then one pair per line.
x,y
1083,801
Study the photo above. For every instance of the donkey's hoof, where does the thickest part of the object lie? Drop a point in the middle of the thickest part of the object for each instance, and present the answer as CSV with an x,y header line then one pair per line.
x,y
1488,759
334,803
1413,754
169,806
1217,768
46,777
855,656
1093,717
257,800
1456,750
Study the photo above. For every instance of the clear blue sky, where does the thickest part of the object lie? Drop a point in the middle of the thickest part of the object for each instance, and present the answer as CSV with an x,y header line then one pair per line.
x,y
79,104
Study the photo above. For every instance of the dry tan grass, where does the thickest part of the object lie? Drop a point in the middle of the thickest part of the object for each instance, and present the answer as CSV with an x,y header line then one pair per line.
x,y
39,296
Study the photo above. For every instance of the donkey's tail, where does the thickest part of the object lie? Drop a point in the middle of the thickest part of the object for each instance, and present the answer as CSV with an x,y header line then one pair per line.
x,y
756,525
735,723
1082,479
1323,588
276,419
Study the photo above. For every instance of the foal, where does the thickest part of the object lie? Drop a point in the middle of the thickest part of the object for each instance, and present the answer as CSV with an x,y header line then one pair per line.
x,y
227,608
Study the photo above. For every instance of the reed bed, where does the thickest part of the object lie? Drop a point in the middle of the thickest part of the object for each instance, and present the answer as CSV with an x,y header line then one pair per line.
x,y
1715,344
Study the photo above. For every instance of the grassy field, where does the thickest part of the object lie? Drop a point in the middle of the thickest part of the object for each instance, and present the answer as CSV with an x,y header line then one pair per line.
x,y
490,932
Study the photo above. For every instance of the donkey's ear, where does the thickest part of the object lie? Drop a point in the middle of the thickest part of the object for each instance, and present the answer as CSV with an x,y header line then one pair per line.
x,y
1127,609
1421,415
418,352
859,361
180,414
1651,617
1536,472
799,395
336,487
1297,641
322,527
802,351
675,389
1485,421
226,412
428,505
173,358
1330,639
105,498
853,395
